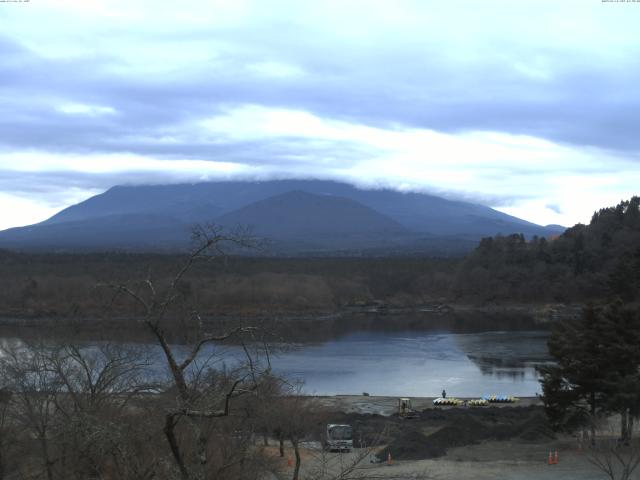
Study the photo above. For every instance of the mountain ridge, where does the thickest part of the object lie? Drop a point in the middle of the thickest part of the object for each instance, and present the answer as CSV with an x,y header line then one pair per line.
x,y
322,215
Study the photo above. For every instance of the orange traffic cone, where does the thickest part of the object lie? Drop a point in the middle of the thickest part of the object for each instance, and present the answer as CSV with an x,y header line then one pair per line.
x,y
550,458
555,459
389,461
290,462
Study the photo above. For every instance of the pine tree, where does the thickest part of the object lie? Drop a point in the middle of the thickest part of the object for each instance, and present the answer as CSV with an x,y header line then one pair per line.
x,y
573,387
622,382
597,369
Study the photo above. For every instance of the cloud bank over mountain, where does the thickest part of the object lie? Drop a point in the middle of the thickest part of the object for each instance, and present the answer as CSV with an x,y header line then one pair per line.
x,y
531,108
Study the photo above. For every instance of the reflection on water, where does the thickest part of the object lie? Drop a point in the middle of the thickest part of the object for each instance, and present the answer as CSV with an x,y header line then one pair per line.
x,y
382,358
420,364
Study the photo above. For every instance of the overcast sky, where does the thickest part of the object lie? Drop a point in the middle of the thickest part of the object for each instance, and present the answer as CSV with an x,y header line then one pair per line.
x,y
531,107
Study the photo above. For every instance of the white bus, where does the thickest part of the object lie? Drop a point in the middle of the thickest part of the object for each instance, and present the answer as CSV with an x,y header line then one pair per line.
x,y
339,437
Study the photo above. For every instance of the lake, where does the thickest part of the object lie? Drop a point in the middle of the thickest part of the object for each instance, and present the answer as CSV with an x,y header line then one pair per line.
x,y
388,358
419,363
411,363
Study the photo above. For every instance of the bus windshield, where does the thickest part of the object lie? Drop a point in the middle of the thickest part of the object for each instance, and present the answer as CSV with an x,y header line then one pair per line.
x,y
340,432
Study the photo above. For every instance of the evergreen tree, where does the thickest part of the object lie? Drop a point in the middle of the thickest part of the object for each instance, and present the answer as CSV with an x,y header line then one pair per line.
x,y
573,387
622,381
624,281
597,369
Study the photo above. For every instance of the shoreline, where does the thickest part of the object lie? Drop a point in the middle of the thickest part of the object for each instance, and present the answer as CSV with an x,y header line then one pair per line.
x,y
386,405
542,312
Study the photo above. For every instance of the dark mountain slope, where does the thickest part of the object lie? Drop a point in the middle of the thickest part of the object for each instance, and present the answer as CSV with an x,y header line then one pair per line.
x,y
184,201
123,232
301,214
204,201
301,222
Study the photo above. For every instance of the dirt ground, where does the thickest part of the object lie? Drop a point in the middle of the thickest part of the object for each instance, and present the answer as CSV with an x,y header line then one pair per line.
x,y
485,461
473,443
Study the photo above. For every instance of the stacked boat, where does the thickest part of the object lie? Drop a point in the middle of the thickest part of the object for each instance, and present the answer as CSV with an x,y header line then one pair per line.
x,y
478,402
449,401
501,399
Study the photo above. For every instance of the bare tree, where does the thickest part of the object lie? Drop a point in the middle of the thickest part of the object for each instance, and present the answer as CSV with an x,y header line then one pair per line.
x,y
27,374
74,401
98,375
296,425
7,433
90,411
99,430
616,457
196,402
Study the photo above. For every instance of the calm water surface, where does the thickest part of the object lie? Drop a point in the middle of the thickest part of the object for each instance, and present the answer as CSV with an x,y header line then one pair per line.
x,y
411,363
419,363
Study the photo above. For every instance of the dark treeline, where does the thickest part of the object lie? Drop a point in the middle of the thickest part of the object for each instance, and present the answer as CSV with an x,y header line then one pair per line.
x,y
596,372
583,264
65,284
586,263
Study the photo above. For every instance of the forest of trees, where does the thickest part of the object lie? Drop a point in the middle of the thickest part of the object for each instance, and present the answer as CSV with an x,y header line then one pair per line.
x,y
596,368
582,264
595,375
63,285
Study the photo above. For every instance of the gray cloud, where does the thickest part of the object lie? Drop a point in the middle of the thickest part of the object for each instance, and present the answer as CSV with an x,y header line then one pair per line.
x,y
554,207
581,103
566,72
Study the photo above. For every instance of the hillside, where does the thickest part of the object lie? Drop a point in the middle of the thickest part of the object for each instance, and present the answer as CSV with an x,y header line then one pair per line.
x,y
317,222
298,216
585,262
117,231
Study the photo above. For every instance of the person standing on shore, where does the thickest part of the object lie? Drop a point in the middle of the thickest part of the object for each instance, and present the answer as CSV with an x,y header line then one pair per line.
x,y
444,393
